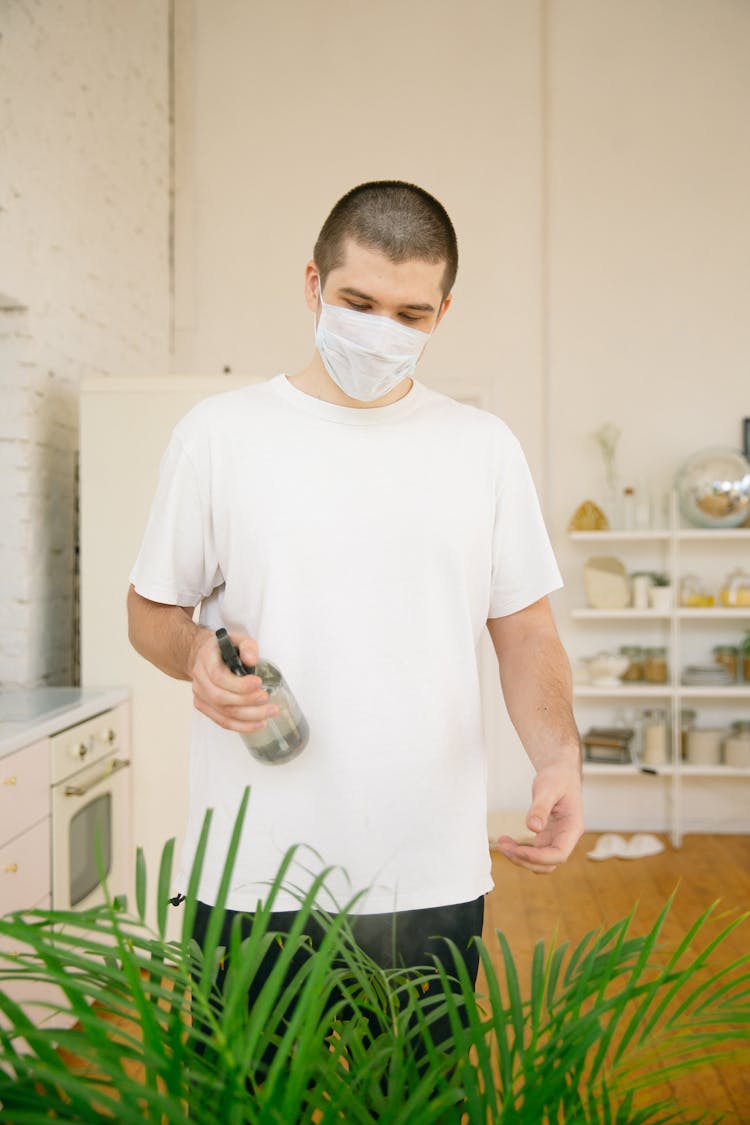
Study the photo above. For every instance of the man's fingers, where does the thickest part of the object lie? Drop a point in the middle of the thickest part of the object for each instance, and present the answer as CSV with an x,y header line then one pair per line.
x,y
540,860
537,818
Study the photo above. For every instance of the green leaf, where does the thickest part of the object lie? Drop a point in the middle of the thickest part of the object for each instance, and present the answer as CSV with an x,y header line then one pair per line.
x,y
348,1041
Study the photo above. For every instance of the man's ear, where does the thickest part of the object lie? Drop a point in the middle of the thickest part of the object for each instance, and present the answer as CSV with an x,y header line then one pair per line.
x,y
313,287
444,308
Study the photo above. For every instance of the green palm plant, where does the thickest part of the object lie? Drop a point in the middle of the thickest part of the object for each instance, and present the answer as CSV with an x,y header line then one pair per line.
x,y
584,1041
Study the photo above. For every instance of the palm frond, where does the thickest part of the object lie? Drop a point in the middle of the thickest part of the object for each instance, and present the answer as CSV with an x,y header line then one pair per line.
x,y
149,1036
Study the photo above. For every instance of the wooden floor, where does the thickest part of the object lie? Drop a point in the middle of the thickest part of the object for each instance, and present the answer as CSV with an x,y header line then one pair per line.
x,y
587,894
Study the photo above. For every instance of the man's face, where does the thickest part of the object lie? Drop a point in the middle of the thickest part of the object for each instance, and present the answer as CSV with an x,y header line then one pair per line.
x,y
409,292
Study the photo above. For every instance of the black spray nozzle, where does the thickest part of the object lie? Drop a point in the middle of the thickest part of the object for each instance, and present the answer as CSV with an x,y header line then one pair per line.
x,y
231,656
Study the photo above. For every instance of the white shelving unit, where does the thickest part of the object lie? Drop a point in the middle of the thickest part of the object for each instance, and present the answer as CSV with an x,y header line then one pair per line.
x,y
679,551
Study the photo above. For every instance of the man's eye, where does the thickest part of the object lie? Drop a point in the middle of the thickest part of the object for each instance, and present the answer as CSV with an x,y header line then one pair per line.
x,y
407,316
357,307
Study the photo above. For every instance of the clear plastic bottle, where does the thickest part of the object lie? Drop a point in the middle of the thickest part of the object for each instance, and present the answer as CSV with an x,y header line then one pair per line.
x,y
283,737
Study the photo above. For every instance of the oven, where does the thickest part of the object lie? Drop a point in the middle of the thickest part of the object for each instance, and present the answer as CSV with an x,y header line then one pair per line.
x,y
91,798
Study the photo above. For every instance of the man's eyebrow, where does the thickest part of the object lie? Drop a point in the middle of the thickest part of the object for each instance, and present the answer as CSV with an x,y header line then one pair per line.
x,y
349,291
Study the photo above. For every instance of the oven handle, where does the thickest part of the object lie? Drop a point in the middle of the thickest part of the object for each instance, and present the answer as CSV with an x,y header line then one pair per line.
x,y
81,790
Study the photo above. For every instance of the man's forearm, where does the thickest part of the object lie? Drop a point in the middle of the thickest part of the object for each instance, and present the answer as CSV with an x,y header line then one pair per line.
x,y
165,635
536,682
537,689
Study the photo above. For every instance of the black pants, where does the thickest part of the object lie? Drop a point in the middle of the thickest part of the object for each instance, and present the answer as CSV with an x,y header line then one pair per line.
x,y
405,939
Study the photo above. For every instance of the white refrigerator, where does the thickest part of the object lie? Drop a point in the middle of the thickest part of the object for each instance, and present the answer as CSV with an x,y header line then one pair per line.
x,y
125,426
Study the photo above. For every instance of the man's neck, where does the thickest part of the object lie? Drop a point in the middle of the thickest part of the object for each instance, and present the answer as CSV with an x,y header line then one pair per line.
x,y
314,380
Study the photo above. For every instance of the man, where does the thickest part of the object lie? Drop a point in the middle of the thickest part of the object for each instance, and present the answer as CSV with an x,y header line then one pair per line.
x,y
361,531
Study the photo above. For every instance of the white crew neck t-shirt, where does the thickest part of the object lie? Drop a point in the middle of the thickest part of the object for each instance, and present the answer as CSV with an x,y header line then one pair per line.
x,y
364,549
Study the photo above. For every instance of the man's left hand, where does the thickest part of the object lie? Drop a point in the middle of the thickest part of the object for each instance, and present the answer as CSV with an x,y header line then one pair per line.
x,y
555,818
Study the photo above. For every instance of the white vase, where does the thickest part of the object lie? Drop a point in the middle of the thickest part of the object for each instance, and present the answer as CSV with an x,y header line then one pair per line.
x,y
660,598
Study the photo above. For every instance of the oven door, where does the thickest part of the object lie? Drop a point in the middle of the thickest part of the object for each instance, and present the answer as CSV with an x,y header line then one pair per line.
x,y
90,835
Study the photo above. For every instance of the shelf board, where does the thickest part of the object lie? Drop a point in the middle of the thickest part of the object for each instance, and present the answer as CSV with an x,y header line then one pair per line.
x,y
627,691
714,533
629,770
684,770
685,613
713,613
610,768
586,614
682,533
662,691
640,536
733,691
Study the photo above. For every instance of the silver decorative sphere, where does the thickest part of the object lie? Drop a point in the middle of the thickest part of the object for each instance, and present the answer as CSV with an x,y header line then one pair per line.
x,y
713,488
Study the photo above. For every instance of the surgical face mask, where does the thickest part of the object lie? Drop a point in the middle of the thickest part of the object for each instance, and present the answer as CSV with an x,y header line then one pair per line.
x,y
366,355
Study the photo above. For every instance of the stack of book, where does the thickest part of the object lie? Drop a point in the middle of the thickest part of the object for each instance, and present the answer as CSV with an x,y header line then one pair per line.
x,y
608,744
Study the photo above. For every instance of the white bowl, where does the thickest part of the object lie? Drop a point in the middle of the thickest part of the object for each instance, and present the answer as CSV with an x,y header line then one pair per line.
x,y
606,669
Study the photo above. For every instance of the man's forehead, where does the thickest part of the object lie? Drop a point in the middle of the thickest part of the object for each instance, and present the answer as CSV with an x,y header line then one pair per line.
x,y
364,266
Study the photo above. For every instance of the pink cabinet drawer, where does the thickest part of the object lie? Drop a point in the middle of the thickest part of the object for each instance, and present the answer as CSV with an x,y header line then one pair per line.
x,y
25,869
35,996
24,789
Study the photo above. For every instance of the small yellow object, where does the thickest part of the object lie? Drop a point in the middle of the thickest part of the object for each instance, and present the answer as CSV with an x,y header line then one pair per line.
x,y
588,516
735,595
703,601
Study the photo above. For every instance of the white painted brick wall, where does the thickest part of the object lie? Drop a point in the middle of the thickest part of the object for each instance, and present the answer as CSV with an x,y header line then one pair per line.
x,y
84,259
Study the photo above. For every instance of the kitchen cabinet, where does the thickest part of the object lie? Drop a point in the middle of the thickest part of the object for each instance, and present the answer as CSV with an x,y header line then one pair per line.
x,y
25,862
24,828
694,797
30,722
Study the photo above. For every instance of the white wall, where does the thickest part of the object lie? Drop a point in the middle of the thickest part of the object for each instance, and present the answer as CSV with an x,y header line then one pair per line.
x,y
288,105
649,239
84,279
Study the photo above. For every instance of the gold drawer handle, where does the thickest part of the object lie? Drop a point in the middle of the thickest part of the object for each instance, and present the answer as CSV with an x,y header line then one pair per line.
x,y
10,868
9,781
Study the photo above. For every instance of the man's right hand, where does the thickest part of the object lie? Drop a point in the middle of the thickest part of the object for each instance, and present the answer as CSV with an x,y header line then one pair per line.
x,y
234,702
167,636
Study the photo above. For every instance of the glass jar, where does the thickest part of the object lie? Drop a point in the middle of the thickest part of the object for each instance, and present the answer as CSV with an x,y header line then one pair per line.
x,y
634,670
736,749
655,668
704,746
693,593
687,722
655,737
736,589
729,657
745,649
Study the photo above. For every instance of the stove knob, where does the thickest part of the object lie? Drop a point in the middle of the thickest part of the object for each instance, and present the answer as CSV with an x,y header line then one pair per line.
x,y
79,751
107,735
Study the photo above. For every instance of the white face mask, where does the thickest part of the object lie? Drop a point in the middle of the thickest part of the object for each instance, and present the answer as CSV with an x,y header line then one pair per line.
x,y
366,355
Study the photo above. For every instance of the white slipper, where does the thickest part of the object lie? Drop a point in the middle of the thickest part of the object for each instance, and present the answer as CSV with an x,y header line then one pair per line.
x,y
642,844
609,845
613,846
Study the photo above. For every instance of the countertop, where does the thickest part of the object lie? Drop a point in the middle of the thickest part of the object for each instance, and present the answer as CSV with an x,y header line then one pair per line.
x,y
28,715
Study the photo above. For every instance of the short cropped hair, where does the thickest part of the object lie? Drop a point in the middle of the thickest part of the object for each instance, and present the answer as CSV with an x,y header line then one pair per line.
x,y
400,220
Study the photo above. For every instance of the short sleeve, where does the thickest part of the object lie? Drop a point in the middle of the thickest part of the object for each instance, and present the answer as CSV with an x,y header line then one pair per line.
x,y
177,562
524,568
